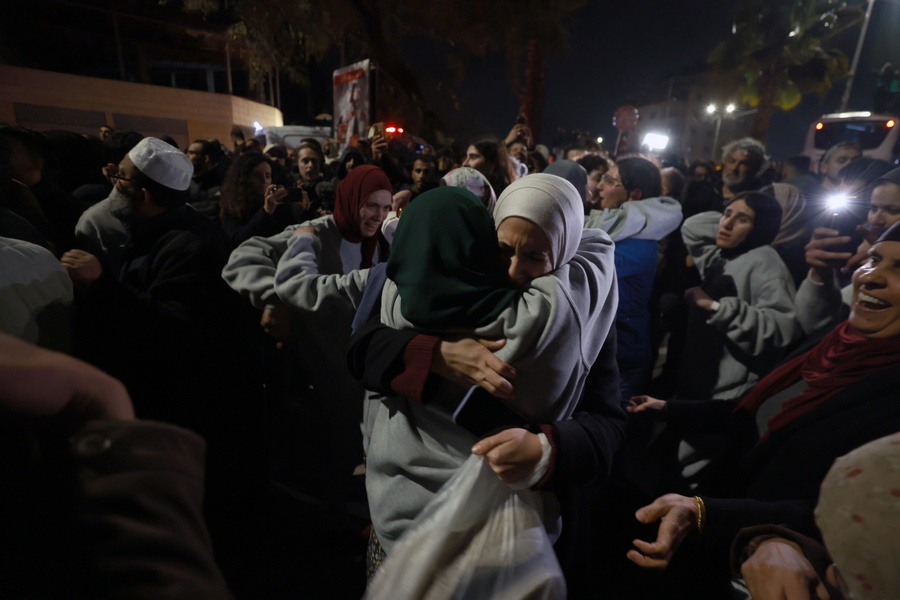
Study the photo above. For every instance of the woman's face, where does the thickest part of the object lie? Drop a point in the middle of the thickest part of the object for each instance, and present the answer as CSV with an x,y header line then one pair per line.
x,y
875,310
527,248
475,160
373,212
261,179
735,225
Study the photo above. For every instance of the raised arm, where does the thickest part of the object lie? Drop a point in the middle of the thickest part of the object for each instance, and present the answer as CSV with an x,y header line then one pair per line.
x,y
251,268
650,219
299,283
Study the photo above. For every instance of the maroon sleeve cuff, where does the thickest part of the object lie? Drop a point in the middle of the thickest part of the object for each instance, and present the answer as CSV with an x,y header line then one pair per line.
x,y
552,434
417,365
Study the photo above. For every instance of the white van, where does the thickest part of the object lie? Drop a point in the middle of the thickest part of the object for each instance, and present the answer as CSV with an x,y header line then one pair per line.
x,y
877,135
289,136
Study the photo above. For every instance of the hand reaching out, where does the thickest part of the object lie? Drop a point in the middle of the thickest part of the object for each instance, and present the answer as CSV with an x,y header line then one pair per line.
x,y
677,516
695,296
647,404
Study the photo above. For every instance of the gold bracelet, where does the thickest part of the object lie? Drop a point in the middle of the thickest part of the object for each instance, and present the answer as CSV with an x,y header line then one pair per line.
x,y
701,513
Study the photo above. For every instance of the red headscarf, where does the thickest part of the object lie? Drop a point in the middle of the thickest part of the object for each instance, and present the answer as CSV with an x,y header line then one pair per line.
x,y
843,357
352,193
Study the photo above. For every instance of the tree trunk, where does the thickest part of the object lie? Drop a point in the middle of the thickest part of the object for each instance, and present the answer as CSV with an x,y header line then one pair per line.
x,y
768,90
387,60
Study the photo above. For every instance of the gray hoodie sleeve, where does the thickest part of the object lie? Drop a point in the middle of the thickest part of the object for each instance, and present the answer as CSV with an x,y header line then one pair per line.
x,y
819,304
300,285
699,234
763,317
650,219
769,319
251,268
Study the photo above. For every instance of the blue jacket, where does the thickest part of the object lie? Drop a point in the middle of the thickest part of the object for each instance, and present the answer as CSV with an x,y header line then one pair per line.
x,y
635,269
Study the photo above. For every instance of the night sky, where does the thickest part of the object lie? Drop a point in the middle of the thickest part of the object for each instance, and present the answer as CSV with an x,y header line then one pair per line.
x,y
623,52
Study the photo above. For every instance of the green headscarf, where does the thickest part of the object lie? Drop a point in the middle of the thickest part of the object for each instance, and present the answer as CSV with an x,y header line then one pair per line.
x,y
446,262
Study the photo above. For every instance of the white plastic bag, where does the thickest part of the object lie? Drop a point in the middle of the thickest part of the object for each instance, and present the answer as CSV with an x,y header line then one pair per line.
x,y
477,539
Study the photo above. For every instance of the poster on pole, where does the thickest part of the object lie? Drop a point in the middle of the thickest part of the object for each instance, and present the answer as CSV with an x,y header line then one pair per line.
x,y
352,102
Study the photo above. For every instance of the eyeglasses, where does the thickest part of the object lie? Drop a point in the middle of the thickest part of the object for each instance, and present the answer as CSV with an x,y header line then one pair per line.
x,y
610,180
112,172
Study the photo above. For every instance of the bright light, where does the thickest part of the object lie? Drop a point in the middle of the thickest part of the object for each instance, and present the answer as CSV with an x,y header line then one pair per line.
x,y
837,202
820,126
257,127
399,130
656,141
729,108
711,109
848,115
891,123
599,140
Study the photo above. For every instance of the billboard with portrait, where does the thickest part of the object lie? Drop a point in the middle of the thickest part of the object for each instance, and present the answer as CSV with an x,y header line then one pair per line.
x,y
352,102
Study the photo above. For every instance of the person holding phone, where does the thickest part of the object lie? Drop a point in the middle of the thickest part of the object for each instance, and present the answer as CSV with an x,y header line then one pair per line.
x,y
251,205
820,300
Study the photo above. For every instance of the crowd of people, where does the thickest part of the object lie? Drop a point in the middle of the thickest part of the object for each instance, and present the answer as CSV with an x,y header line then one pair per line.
x,y
246,371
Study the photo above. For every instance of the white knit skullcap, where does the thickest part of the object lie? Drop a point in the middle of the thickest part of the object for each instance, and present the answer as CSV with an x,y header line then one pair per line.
x,y
164,164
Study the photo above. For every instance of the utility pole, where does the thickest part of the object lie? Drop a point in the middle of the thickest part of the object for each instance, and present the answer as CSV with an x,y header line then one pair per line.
x,y
853,66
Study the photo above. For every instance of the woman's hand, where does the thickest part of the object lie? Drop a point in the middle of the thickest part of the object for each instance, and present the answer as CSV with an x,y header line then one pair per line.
x,y
512,454
677,516
275,196
305,229
819,258
471,361
379,147
778,569
648,404
400,200
695,296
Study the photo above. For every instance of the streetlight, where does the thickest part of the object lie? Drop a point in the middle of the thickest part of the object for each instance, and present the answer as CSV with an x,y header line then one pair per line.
x,y
599,140
712,109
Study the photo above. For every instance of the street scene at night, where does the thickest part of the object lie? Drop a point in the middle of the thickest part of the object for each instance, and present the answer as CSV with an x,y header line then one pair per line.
x,y
476,300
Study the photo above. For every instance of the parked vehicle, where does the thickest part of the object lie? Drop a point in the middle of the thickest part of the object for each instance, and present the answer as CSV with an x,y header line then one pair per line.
x,y
877,135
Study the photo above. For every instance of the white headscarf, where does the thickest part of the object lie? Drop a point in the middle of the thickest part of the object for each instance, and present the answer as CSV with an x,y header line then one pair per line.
x,y
551,203
472,180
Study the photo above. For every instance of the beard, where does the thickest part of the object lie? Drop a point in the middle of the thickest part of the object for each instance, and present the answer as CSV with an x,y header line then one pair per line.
x,y
122,207
740,184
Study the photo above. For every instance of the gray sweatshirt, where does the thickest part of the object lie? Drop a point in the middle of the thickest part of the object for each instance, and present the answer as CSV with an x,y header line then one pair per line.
x,y
554,330
760,321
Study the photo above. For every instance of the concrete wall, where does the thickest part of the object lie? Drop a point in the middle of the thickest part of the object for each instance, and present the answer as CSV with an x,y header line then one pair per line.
x,y
44,100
